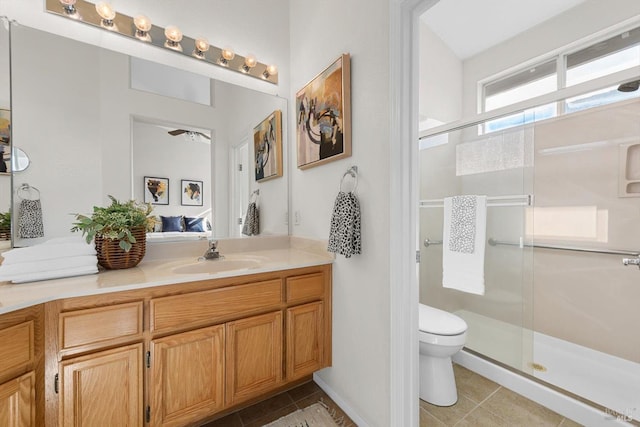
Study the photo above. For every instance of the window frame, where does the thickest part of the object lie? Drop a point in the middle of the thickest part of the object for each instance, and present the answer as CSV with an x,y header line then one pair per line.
x,y
560,55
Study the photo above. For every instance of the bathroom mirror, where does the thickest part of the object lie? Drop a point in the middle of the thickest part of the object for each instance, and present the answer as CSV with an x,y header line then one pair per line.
x,y
5,147
77,110
19,160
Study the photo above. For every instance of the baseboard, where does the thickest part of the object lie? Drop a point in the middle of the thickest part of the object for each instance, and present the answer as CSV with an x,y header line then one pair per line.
x,y
340,401
564,405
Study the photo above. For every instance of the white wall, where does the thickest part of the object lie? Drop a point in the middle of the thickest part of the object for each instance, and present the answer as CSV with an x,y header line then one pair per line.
x,y
320,33
440,79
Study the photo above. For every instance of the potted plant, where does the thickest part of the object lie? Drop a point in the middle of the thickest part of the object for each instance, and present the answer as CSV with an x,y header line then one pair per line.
x,y
119,231
5,225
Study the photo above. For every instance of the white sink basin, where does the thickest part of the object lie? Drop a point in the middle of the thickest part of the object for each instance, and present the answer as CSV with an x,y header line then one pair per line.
x,y
216,266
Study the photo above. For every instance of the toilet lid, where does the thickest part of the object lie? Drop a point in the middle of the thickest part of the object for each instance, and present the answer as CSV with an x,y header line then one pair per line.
x,y
440,322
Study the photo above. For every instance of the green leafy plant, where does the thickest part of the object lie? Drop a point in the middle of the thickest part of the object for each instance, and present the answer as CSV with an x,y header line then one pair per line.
x,y
115,222
5,220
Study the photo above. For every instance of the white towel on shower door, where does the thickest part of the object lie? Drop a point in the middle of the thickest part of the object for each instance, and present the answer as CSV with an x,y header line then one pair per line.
x,y
463,241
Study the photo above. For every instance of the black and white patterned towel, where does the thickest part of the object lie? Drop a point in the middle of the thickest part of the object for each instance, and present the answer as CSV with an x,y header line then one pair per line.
x,y
345,235
30,219
251,225
462,234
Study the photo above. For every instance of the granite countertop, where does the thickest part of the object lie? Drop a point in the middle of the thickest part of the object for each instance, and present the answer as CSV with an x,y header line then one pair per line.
x,y
159,269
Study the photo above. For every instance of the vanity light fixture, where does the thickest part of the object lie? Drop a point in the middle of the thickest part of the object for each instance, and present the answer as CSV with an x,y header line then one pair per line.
x,y
202,46
250,61
107,14
271,70
143,25
174,37
101,14
226,55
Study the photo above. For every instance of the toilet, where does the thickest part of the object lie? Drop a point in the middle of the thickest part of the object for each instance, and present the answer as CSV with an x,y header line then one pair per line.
x,y
442,334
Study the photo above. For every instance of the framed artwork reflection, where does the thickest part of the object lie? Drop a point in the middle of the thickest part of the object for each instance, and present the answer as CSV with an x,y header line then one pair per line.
x,y
191,192
5,141
323,112
156,190
267,147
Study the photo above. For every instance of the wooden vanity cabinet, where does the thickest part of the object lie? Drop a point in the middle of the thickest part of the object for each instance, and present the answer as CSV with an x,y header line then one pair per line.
x,y
177,355
186,379
102,388
99,375
22,368
254,356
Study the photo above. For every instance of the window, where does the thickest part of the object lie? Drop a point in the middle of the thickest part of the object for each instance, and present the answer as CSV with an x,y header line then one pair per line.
x,y
600,59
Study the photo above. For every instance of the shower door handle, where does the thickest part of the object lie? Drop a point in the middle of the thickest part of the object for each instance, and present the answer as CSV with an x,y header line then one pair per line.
x,y
631,261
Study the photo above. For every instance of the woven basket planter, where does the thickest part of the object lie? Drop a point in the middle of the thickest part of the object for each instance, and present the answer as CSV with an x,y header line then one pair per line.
x,y
113,257
5,233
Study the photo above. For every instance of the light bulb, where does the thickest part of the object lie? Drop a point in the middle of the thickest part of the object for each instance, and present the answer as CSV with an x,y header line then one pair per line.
x,y
173,34
227,55
202,45
250,61
105,11
142,23
271,70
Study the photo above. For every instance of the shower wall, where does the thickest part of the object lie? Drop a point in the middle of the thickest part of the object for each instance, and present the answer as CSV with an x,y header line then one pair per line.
x,y
583,166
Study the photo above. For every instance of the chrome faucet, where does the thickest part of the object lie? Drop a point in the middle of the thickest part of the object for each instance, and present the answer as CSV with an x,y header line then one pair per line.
x,y
212,252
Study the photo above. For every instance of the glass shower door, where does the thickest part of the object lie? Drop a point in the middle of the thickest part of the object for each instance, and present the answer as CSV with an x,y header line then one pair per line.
x,y
498,165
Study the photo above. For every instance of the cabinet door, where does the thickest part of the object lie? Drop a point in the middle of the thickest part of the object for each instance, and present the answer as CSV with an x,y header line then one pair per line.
x,y
17,402
187,376
254,356
103,389
305,340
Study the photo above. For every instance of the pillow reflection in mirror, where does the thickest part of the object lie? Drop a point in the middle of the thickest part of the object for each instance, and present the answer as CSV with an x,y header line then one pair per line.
x,y
172,223
194,224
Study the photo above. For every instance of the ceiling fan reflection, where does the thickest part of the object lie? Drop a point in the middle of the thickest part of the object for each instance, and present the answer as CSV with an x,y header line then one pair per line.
x,y
189,133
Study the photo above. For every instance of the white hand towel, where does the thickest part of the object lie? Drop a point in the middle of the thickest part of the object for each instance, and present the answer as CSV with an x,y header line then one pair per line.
x,y
46,275
8,271
463,239
47,251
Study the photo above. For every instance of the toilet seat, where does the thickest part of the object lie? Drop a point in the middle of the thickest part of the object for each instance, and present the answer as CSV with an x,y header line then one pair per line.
x,y
439,322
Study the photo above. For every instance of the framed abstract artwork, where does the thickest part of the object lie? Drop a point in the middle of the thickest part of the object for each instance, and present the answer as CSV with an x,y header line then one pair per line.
x,y
156,190
323,112
191,192
267,147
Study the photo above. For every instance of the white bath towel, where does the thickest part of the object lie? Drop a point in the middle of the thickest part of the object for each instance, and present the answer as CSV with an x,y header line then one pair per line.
x,y
46,251
57,274
463,239
8,271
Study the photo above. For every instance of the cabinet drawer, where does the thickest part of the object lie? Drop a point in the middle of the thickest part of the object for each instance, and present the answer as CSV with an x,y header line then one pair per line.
x,y
305,288
95,326
208,307
17,347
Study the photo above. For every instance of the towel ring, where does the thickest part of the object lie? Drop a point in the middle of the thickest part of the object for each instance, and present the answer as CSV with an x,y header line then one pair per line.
x,y
353,172
27,188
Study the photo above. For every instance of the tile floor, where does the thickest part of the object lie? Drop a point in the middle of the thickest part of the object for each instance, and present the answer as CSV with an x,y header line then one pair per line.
x,y
482,402
278,406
